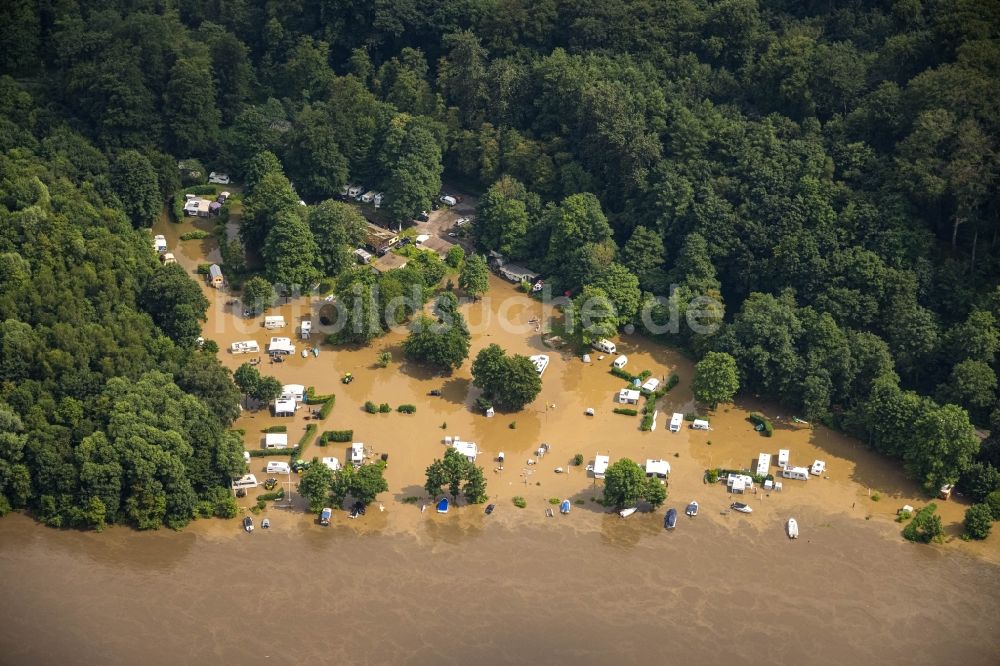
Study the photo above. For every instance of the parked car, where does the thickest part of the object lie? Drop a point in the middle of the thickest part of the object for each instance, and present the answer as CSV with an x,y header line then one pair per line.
x,y
462,221
423,217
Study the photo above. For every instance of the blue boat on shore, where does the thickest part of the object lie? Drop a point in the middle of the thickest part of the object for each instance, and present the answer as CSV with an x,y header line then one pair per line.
x,y
564,507
442,506
670,521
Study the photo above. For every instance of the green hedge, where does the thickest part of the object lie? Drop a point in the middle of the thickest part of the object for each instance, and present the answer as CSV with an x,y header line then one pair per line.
x,y
647,422
177,207
407,409
265,453
336,436
384,408
759,419
204,268
199,190
197,234
621,373
672,381
371,407
326,408
627,411
312,399
307,435
276,495
275,428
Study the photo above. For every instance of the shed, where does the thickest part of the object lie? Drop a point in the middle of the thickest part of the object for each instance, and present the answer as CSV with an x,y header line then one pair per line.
x,y
388,262
275,440
438,245
628,397
600,465
659,468
763,464
215,276
516,273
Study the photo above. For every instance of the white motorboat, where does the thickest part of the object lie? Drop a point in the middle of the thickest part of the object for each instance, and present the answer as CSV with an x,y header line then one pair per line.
x,y
692,509
625,513
793,529
741,507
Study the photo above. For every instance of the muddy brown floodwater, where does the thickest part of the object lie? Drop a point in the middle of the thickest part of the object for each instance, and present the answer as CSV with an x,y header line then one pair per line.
x,y
401,585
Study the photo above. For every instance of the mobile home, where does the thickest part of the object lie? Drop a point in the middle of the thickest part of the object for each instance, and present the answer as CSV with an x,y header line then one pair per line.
x,y
280,346
331,462
293,392
797,473
305,329
278,467
676,421
284,407
467,449
651,384
168,258
357,453
628,397
246,481
739,483
245,347
763,464
276,440
276,321
600,465
160,243
700,424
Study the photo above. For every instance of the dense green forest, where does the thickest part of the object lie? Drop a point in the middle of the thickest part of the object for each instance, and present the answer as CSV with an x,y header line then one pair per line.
x,y
824,173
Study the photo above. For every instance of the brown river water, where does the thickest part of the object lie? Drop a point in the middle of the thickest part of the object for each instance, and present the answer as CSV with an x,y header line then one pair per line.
x,y
401,585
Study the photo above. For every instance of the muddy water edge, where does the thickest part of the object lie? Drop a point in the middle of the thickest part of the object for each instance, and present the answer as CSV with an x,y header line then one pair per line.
x,y
401,585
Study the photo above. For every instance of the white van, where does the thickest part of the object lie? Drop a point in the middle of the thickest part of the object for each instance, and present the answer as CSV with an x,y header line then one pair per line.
x,y
620,361
700,424
676,421
276,321
605,346
276,467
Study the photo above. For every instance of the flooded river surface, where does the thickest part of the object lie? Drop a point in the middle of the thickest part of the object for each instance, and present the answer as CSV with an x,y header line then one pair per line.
x,y
405,586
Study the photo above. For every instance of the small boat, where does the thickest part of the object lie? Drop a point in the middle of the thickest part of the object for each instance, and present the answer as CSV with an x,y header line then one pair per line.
x,y
564,507
692,509
490,508
315,351
248,524
589,411
442,506
625,513
741,507
324,517
266,523
670,520
304,353
793,529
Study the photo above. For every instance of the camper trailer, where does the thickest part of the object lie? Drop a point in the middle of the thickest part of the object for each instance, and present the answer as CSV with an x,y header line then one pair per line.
x,y
357,454
245,347
620,361
284,407
818,467
277,321
797,473
280,346
605,346
305,329
700,424
763,464
782,457
676,421
278,467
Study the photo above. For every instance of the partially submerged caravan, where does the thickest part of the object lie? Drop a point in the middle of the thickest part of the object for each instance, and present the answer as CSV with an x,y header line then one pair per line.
x,y
245,347
275,321
676,421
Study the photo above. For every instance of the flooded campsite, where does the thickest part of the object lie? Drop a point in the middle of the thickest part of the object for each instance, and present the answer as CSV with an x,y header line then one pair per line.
x,y
411,585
